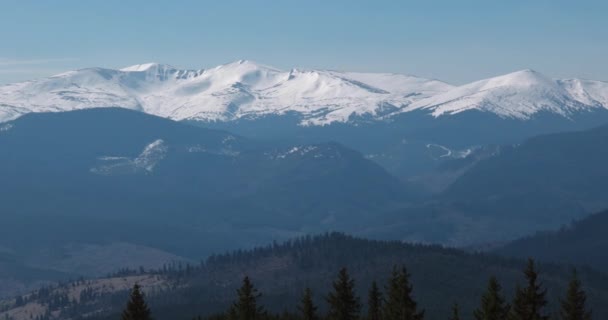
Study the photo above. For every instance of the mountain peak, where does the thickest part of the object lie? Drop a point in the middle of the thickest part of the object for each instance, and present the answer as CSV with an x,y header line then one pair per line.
x,y
247,64
519,95
523,77
147,67
247,89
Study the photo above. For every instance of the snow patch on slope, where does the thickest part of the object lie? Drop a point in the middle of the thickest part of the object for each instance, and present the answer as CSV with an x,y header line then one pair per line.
x,y
149,158
6,127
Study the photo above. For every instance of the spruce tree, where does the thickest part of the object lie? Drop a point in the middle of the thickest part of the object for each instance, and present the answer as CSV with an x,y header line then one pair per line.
x,y
343,301
374,303
493,306
400,304
307,308
246,307
455,312
573,306
529,302
136,308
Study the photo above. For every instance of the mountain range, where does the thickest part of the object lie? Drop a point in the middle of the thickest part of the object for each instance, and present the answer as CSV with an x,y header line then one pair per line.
x,y
401,122
244,154
97,174
246,90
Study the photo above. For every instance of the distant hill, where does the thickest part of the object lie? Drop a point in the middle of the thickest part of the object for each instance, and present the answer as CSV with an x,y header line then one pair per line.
x,y
585,243
281,271
544,183
79,183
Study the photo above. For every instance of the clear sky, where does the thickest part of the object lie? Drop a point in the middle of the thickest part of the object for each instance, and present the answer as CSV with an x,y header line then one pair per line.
x,y
455,41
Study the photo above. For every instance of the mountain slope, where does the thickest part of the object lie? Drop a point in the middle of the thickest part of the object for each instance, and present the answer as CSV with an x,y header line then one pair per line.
x,y
541,184
390,118
518,95
583,243
91,177
440,277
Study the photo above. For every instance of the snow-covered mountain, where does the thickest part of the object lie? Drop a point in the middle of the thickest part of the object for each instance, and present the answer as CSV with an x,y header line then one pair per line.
x,y
519,95
227,92
245,89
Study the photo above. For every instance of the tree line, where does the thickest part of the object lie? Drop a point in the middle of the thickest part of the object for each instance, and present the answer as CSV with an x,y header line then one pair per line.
x,y
395,302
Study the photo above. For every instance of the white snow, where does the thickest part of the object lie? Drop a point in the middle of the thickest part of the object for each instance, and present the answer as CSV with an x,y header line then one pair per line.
x,y
449,153
227,92
518,95
294,151
146,161
245,89
152,155
6,127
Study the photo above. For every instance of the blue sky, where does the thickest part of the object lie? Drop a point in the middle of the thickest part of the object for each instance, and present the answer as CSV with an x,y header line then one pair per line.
x,y
456,41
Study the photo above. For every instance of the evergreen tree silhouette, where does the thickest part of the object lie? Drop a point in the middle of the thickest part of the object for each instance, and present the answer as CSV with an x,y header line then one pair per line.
x,y
455,312
573,306
374,303
307,308
493,305
343,302
399,303
136,308
530,301
246,306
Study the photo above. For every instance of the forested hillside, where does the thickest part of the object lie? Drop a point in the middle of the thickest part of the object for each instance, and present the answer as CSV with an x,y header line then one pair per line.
x,y
281,272
584,242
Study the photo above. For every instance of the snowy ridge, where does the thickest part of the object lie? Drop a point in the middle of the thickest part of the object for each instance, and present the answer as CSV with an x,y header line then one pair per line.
x,y
244,89
518,95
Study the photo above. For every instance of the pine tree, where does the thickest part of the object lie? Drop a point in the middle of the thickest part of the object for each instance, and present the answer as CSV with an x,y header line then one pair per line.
x,y
343,302
573,307
399,304
374,303
493,306
307,308
529,302
246,307
455,312
136,309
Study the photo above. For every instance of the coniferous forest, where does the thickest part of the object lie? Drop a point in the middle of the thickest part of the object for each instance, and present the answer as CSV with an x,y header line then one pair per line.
x,y
396,302
335,276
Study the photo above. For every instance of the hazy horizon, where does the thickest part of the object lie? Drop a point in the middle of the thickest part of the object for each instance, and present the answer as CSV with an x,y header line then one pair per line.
x,y
455,42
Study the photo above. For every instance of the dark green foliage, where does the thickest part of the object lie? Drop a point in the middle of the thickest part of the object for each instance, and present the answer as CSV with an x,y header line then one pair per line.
x,y
400,304
582,243
374,303
439,276
137,308
343,301
529,301
246,306
307,308
455,312
573,307
493,305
